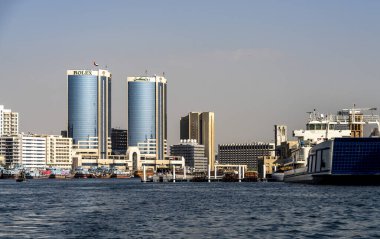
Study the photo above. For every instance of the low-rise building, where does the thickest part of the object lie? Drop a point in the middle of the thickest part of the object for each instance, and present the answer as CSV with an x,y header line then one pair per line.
x,y
85,154
271,164
244,154
36,151
59,151
193,153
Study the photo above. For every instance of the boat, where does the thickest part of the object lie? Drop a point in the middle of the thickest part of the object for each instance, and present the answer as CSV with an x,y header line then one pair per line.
x,y
83,173
277,176
21,177
199,177
230,177
139,173
334,154
250,176
350,161
8,174
120,174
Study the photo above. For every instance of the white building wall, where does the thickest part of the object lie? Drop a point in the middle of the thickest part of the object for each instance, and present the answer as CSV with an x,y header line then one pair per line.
x,y
33,152
9,122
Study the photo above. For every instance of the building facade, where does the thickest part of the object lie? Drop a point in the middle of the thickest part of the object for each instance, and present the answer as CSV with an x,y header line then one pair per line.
x,y
119,141
37,151
10,148
9,123
59,151
147,117
89,107
280,134
200,127
246,154
193,153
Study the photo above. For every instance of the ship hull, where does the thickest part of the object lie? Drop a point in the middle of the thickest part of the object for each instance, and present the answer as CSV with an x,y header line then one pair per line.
x,y
334,179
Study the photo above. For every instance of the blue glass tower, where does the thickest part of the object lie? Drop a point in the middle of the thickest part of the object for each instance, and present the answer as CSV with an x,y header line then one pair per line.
x,y
89,107
147,119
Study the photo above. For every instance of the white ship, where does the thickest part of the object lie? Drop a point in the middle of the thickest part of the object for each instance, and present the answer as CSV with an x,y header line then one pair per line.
x,y
321,128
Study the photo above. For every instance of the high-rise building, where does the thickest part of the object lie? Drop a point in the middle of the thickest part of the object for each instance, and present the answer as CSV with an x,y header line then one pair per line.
x,y
200,126
119,140
89,107
8,121
247,154
193,153
280,134
147,119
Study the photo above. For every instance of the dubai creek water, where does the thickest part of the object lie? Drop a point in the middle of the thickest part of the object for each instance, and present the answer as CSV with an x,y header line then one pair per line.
x,y
127,208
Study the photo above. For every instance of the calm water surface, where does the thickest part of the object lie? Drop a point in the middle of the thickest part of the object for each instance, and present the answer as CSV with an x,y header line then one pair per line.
x,y
127,208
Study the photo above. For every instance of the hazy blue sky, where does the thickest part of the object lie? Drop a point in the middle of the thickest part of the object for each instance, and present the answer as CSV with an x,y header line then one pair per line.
x,y
254,63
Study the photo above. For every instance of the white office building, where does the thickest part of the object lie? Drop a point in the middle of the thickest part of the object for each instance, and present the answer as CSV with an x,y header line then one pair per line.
x,y
36,151
33,151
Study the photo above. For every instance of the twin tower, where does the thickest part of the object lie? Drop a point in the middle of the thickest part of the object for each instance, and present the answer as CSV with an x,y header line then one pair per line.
x,y
89,111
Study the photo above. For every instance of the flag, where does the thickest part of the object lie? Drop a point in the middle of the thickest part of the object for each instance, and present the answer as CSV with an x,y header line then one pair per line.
x,y
95,64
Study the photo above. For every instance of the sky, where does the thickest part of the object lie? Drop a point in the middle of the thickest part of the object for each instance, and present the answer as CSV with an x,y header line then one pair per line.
x,y
253,63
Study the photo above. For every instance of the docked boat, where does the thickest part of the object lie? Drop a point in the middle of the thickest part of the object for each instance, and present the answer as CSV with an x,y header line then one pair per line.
x,y
120,174
83,173
336,151
8,174
277,176
341,161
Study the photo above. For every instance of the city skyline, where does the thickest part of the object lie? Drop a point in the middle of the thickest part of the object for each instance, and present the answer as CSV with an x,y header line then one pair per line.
x,y
236,60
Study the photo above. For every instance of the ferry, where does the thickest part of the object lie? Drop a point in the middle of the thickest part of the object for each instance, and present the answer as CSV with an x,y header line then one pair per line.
x,y
340,161
319,128
337,152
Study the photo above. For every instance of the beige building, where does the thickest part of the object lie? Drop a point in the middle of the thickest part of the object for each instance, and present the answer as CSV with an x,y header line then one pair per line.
x,y
201,127
59,151
286,148
2,161
8,122
85,154
270,162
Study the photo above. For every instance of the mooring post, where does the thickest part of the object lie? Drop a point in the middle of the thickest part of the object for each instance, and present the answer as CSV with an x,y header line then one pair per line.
x,y
173,173
209,173
144,177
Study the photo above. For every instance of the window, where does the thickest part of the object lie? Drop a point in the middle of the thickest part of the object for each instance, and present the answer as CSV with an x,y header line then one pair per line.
x,y
319,159
325,159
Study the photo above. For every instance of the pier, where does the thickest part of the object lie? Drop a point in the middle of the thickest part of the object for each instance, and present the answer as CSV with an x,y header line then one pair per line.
x,y
211,177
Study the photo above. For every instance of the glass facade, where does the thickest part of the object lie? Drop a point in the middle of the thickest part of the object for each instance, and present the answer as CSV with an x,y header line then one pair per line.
x,y
147,98
89,104
82,107
356,156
